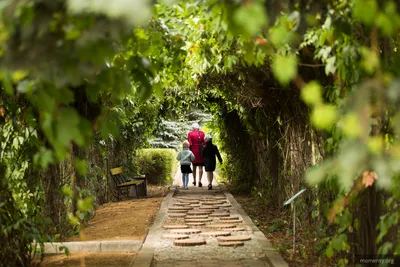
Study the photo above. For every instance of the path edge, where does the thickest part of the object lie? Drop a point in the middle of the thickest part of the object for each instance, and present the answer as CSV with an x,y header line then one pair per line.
x,y
145,256
274,258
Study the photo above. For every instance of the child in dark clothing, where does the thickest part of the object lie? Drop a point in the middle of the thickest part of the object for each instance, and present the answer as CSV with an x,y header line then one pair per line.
x,y
210,151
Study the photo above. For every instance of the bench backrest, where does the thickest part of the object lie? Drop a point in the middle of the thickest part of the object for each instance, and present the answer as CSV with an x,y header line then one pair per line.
x,y
115,171
118,177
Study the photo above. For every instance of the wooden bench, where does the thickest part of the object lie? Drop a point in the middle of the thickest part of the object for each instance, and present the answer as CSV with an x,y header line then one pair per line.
x,y
121,181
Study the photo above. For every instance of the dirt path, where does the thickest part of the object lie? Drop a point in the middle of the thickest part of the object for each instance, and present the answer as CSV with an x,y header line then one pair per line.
x,y
90,260
124,220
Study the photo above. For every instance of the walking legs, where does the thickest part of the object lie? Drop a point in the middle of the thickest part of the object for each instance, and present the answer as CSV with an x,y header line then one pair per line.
x,y
185,180
210,179
194,175
200,175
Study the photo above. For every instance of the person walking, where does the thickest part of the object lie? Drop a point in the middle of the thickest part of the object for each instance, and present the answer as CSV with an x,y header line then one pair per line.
x,y
196,141
185,158
209,153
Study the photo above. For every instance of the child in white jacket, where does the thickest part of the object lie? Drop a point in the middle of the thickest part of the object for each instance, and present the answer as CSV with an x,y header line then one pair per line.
x,y
185,158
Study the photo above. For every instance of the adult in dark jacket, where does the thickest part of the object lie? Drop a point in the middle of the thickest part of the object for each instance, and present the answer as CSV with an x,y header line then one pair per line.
x,y
209,153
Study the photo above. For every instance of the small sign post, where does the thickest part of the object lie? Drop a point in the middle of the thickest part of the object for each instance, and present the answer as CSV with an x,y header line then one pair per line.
x,y
294,216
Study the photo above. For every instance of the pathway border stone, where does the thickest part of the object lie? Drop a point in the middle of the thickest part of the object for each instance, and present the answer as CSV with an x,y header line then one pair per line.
x,y
93,246
145,256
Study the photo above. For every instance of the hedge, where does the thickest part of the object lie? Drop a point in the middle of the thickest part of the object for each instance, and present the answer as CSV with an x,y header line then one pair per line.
x,y
157,164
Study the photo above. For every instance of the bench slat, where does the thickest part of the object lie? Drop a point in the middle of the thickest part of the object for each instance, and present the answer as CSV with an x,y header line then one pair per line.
x,y
137,182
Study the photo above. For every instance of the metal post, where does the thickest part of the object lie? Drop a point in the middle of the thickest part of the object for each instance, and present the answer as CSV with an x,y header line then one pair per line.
x,y
294,228
291,201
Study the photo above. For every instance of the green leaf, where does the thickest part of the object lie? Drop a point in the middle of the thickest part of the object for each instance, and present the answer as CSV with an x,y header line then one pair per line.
x,y
279,35
370,60
72,34
384,23
337,242
351,125
330,66
107,127
375,144
312,93
85,204
285,68
7,83
324,116
66,250
365,11
81,166
45,157
67,191
329,252
67,127
385,248
73,219
251,17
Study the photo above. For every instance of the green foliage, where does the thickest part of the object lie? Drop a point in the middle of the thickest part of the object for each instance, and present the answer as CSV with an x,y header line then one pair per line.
x,y
285,68
157,164
83,74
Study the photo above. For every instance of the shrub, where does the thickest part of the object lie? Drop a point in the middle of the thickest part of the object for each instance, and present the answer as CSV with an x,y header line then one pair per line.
x,y
157,164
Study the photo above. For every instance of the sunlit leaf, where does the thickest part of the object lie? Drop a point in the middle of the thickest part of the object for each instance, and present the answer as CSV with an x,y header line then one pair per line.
x,y
351,125
324,116
251,17
370,60
365,10
285,68
312,93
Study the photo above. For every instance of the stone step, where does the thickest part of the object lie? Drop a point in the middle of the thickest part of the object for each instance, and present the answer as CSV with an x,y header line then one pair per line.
x,y
199,212
230,244
216,233
196,217
176,215
196,223
219,214
190,242
230,221
221,226
182,204
233,238
177,211
208,208
198,220
175,236
236,229
175,226
232,217
186,231
180,208
212,203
